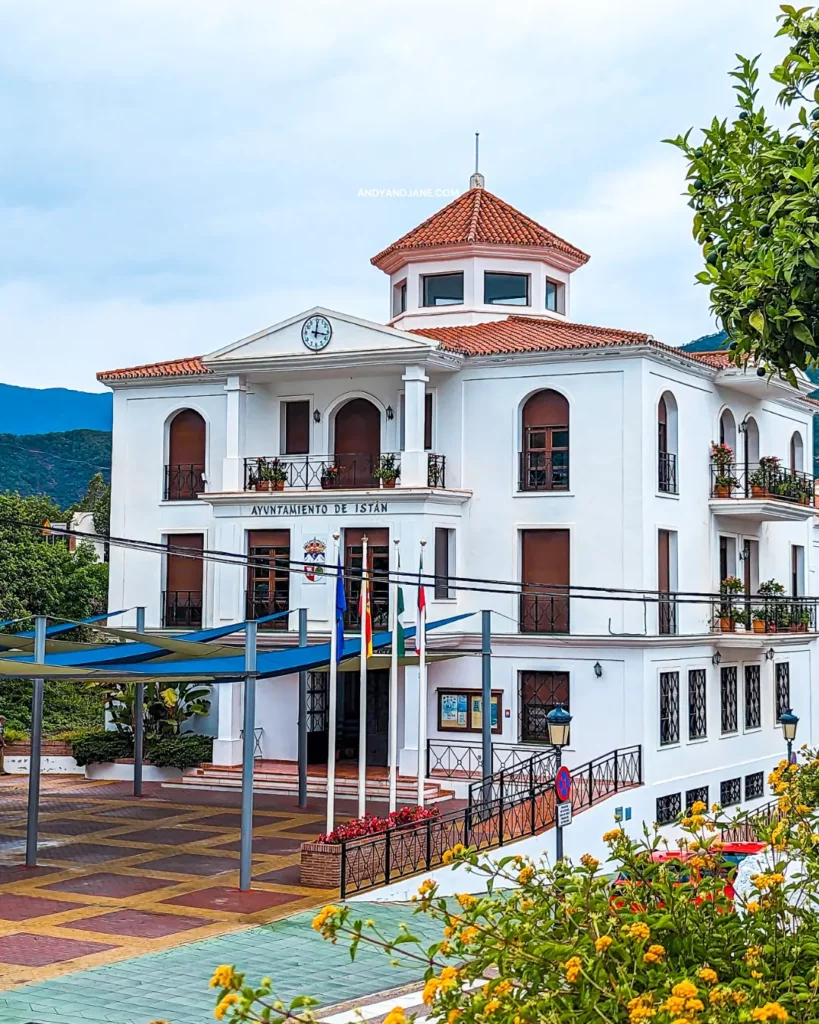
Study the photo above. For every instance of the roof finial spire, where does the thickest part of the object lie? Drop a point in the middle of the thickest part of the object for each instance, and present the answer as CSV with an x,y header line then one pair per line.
x,y
476,181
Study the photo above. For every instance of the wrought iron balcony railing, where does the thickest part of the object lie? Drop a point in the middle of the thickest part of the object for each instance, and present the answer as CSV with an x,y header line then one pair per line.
x,y
544,613
332,472
260,603
181,608
184,482
543,471
763,479
667,473
731,613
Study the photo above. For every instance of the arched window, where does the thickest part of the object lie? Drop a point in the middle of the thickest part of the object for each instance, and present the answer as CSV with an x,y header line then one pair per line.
x,y
667,444
185,468
751,453
797,453
544,462
728,430
357,429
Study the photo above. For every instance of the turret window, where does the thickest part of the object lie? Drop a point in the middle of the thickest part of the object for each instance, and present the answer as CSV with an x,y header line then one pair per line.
x,y
506,289
555,296
399,298
444,289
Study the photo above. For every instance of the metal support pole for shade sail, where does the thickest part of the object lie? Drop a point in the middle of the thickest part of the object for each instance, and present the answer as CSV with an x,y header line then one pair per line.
x,y
139,716
33,821
248,739
302,714
486,694
364,601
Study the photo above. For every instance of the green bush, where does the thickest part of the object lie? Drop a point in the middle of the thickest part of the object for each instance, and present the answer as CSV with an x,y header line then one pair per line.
x,y
66,706
101,747
185,751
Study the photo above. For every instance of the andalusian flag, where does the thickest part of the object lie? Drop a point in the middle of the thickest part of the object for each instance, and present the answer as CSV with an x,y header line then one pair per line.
x,y
399,632
421,610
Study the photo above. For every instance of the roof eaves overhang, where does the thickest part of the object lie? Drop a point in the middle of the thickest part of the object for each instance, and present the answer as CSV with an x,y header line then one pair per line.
x,y
391,261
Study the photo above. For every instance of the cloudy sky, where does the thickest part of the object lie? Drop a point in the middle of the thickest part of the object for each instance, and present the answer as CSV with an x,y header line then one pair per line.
x,y
175,174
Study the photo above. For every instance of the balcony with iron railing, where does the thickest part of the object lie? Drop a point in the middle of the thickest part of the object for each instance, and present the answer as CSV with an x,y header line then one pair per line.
x,y
543,470
184,482
667,473
261,603
741,613
544,612
182,608
341,471
764,490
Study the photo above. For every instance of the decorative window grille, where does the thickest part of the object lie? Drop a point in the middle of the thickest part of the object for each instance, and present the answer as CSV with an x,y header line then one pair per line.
x,y
698,795
697,720
669,708
540,693
783,688
668,808
728,699
730,792
753,697
317,701
754,786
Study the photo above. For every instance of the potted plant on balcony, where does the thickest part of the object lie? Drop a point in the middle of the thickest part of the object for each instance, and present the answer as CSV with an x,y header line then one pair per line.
x,y
804,620
387,471
722,460
329,476
764,476
272,475
728,613
772,590
760,619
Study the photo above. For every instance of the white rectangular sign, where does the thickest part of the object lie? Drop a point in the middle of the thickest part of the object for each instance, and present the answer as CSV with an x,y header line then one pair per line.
x,y
564,814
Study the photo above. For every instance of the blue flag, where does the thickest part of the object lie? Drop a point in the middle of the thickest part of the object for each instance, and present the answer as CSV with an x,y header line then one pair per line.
x,y
341,608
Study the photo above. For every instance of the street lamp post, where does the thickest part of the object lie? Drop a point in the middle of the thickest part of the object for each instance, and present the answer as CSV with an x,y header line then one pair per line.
x,y
557,724
789,721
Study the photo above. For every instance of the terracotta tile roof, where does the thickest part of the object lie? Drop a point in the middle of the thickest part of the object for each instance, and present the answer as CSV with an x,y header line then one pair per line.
x,y
190,367
719,360
530,334
479,217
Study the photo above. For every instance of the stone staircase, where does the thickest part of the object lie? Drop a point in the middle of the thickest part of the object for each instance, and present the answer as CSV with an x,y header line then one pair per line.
x,y
282,777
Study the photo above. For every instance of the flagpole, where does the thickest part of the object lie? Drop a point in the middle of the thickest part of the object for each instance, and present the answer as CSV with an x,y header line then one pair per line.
x,y
393,758
362,690
422,685
333,710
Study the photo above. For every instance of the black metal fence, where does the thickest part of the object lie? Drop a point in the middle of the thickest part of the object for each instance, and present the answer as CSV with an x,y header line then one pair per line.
x,y
513,812
747,830
544,613
764,614
184,483
181,608
261,603
763,479
331,472
436,470
453,760
667,473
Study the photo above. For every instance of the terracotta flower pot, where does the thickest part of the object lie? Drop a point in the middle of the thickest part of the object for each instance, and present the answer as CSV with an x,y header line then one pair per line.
x,y
759,492
759,626
727,625
264,485
388,483
722,491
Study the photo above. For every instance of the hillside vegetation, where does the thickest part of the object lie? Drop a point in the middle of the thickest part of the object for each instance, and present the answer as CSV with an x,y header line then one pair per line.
x,y
59,465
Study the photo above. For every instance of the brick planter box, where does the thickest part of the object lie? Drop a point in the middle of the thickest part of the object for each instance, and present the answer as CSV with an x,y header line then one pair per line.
x,y
321,865
49,748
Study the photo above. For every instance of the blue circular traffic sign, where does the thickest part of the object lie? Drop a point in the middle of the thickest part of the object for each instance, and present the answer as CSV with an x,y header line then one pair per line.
x,y
563,783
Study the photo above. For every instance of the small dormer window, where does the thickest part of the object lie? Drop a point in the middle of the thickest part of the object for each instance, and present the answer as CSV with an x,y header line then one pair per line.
x,y
505,289
444,289
555,296
399,298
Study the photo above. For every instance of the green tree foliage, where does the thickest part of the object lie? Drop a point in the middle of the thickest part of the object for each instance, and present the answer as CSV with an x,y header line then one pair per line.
x,y
58,464
754,188
97,499
166,708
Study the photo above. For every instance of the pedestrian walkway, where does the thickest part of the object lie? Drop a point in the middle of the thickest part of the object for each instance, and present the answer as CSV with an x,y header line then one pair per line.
x,y
173,985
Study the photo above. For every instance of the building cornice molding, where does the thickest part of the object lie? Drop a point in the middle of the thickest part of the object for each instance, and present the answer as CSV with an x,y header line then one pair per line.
x,y
467,250
143,383
440,359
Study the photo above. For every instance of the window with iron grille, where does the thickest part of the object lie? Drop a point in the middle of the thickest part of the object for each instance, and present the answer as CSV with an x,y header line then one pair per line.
x,y
783,688
754,786
669,708
697,720
753,697
668,808
540,693
730,792
317,701
728,699
693,796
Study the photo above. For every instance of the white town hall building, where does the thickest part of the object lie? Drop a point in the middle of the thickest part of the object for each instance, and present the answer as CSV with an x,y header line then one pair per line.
x,y
573,461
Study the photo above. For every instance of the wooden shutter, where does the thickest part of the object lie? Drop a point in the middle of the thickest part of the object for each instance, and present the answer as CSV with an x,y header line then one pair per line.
x,y
442,562
428,421
545,560
296,428
184,573
186,443
663,561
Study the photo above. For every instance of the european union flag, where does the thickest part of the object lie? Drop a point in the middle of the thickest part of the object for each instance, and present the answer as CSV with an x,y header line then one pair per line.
x,y
341,608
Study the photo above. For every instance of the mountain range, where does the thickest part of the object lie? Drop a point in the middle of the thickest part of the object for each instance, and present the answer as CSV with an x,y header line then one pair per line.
x,y
52,410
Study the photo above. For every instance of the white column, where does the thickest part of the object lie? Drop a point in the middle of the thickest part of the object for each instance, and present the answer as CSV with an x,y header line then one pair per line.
x,y
408,756
227,747
414,458
233,464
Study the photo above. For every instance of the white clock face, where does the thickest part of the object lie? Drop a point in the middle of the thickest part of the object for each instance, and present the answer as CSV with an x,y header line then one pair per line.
x,y
316,333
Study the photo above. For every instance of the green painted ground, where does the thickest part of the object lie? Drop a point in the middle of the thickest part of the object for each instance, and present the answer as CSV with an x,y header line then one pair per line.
x,y
173,985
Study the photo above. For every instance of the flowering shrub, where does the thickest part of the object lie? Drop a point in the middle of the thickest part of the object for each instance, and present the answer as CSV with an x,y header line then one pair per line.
x,y
722,455
670,944
370,825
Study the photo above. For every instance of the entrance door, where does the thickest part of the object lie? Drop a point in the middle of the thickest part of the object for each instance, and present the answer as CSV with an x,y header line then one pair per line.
x,y
357,443
378,716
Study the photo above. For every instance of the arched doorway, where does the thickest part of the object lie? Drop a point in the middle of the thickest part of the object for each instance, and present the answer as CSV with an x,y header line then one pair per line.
x,y
545,436
667,444
185,470
357,443
797,453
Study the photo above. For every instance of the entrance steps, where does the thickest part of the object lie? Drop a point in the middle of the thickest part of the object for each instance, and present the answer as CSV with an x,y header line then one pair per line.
x,y
282,777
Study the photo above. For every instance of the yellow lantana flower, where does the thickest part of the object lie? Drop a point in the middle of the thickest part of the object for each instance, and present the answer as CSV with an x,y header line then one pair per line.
x,y
466,900
654,954
222,976
603,943
770,1011
708,975
323,916
225,1004
573,967
639,930
395,1016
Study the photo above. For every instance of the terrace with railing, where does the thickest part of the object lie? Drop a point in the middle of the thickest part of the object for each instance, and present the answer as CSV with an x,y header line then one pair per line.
x,y
766,479
356,471
733,613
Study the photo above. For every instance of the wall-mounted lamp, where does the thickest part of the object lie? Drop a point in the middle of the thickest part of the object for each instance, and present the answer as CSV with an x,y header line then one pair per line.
x,y
598,669
316,416
717,658
390,413
770,654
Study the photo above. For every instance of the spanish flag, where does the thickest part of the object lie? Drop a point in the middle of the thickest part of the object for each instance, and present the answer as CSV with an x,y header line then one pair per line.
x,y
366,615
